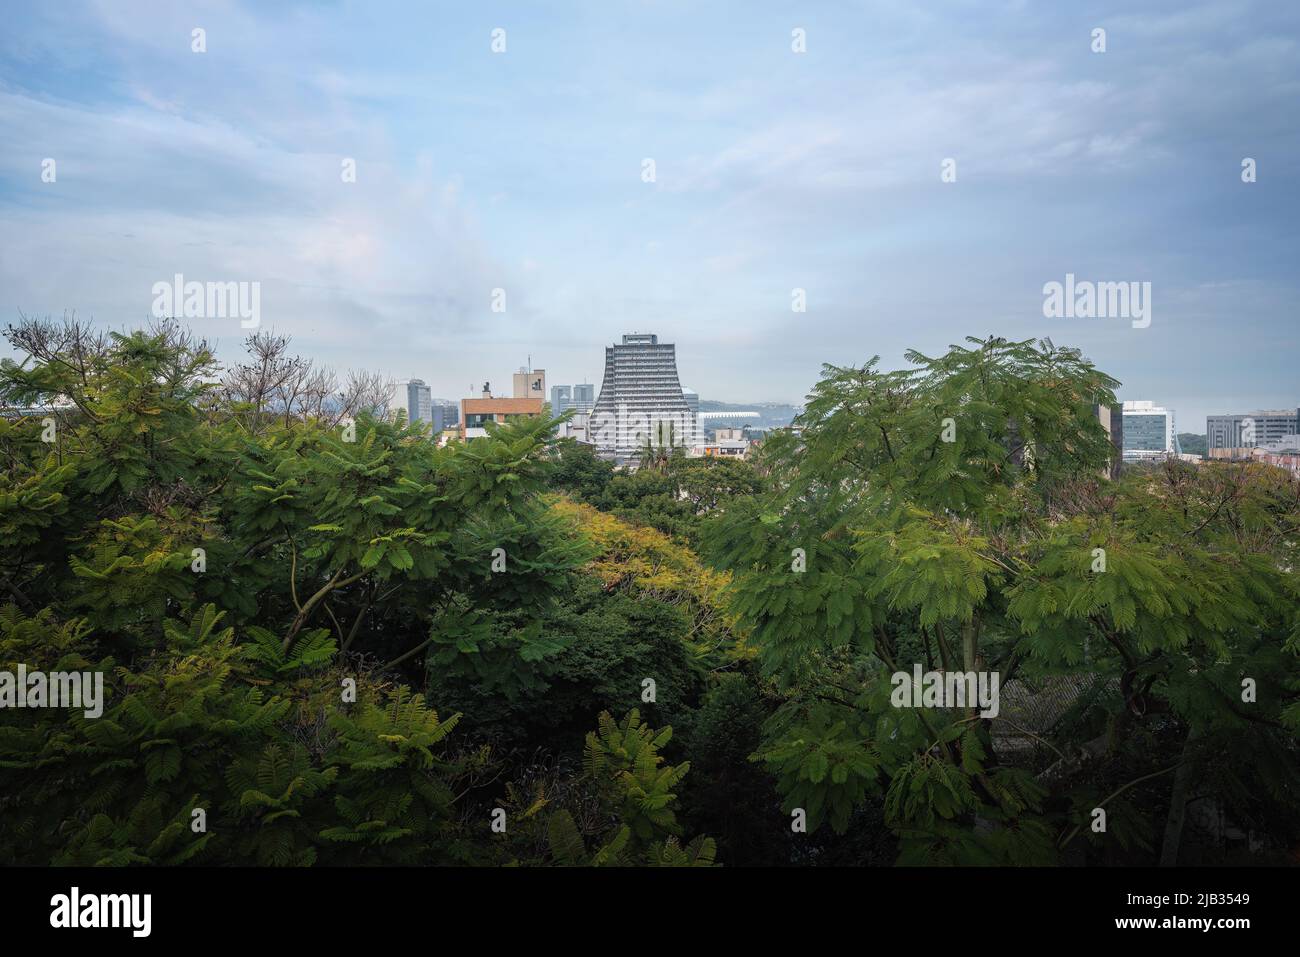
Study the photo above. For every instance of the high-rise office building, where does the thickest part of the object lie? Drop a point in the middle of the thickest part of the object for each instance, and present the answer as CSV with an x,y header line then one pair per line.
x,y
640,400
1148,432
446,415
561,398
693,403
584,397
1250,429
415,397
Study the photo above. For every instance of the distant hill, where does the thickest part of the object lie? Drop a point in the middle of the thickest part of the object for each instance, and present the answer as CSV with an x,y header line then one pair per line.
x,y
771,415
1191,443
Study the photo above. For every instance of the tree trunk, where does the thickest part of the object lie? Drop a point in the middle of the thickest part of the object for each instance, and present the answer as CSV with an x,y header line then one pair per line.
x,y
969,656
1178,804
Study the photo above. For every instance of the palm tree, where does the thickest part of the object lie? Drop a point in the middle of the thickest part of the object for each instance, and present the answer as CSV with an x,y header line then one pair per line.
x,y
656,455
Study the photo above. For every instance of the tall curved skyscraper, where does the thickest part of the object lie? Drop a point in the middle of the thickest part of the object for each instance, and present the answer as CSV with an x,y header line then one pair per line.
x,y
640,398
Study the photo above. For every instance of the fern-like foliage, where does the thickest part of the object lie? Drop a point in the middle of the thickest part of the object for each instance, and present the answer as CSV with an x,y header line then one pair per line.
x,y
392,796
622,758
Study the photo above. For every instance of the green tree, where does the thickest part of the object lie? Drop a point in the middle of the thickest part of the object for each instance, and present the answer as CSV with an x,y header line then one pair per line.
x,y
677,499
625,813
955,515
659,447
579,472
259,568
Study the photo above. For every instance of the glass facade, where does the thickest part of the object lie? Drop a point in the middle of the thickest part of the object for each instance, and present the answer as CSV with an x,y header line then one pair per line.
x,y
1145,433
561,398
415,397
1148,431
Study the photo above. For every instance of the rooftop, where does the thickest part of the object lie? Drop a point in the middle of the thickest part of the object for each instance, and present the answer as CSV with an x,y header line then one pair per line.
x,y
502,406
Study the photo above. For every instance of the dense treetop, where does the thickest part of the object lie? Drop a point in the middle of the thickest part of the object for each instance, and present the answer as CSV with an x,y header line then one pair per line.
x,y
328,640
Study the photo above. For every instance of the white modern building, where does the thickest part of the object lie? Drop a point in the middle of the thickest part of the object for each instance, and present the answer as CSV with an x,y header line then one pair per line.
x,y
413,396
726,444
577,428
1149,432
641,400
693,403
1248,430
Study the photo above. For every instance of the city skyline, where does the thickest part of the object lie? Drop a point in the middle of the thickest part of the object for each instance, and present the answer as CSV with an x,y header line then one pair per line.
x,y
774,171
1130,405
856,436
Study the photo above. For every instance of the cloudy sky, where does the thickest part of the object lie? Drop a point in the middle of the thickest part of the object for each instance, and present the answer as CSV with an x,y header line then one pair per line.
x,y
774,170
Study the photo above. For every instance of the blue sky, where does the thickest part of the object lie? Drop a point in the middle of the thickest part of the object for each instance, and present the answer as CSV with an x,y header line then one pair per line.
x,y
774,170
